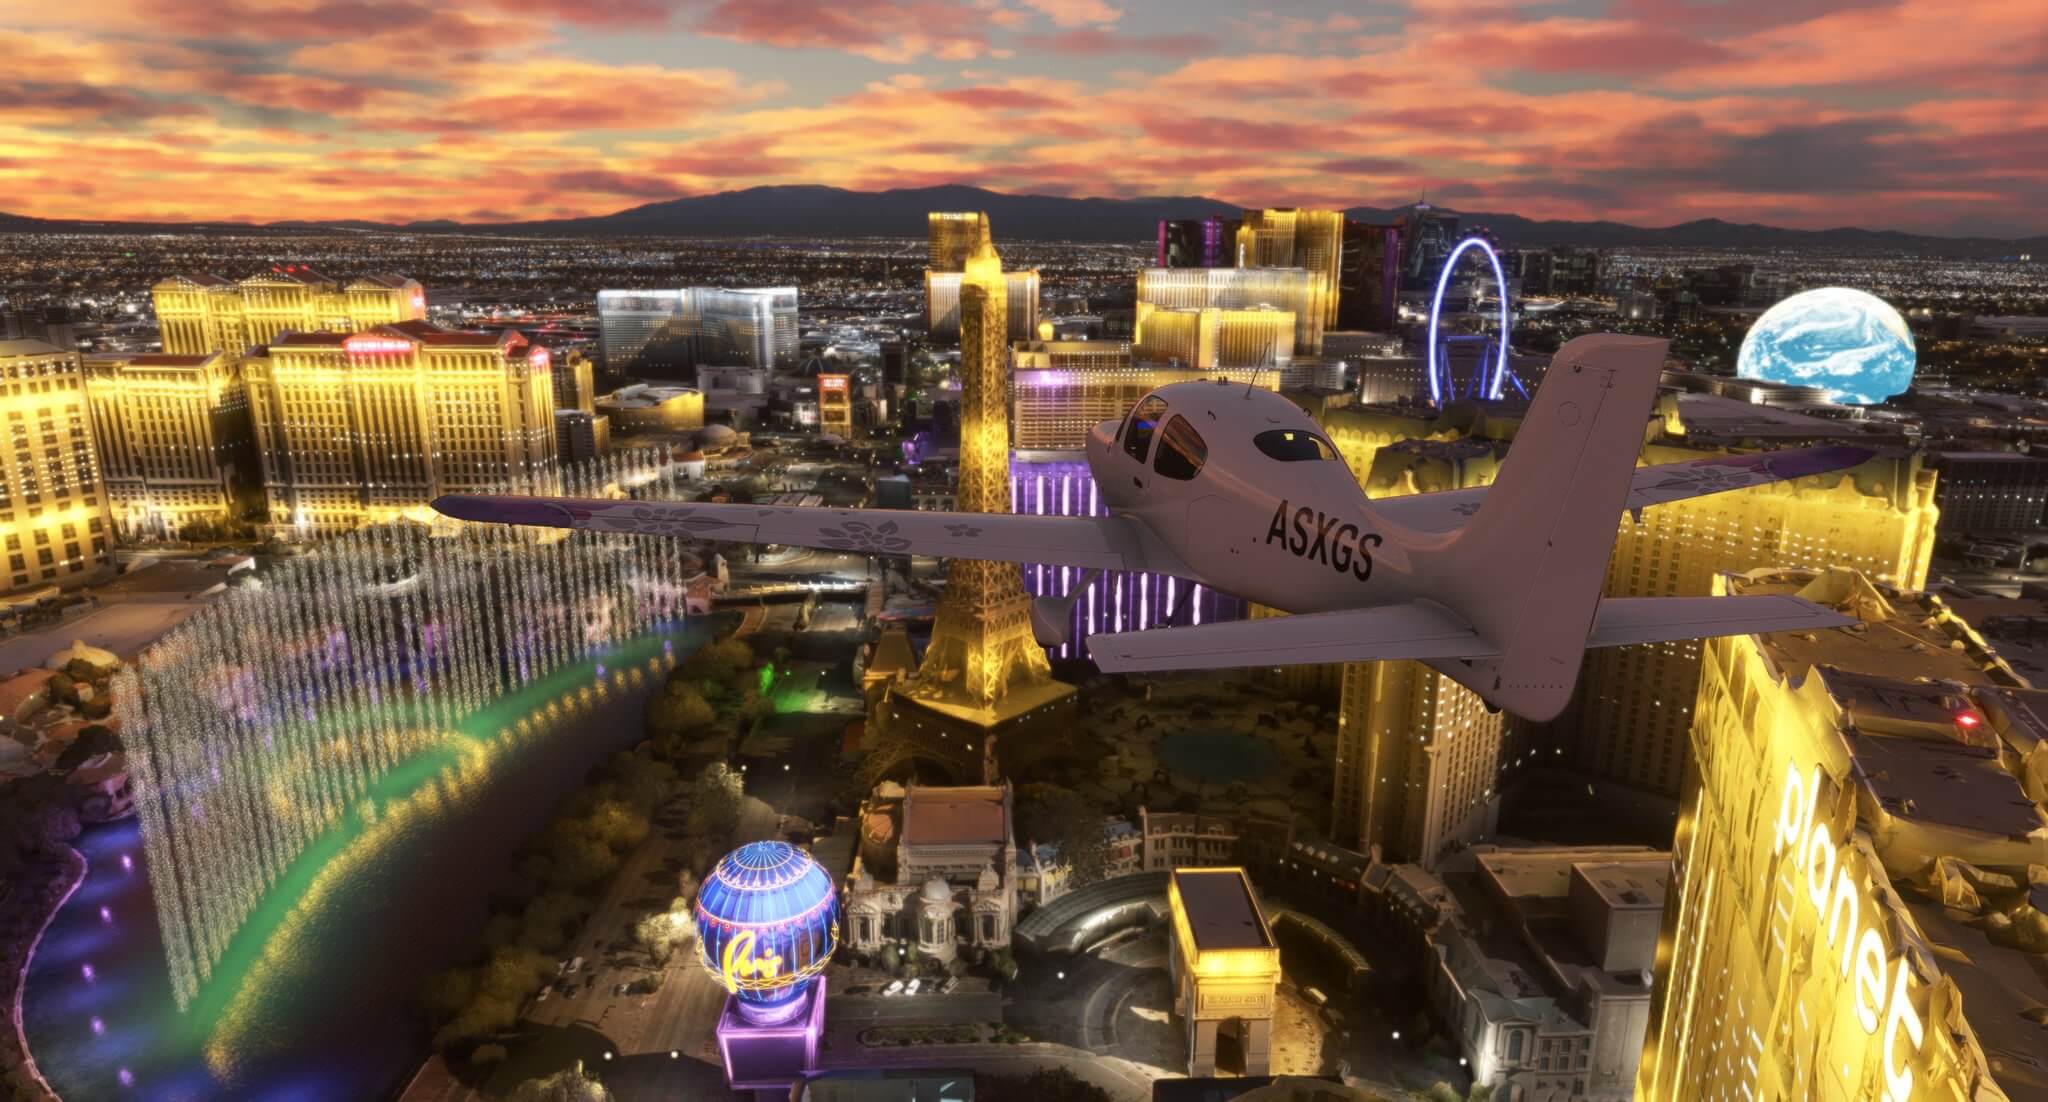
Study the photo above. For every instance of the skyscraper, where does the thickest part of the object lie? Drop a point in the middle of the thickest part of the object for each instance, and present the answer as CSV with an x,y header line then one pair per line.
x,y
1854,909
1629,718
175,442
202,313
983,670
1419,757
955,236
1299,291
1198,242
366,427
668,334
1283,237
53,505
942,304
1369,277
1427,237
1207,337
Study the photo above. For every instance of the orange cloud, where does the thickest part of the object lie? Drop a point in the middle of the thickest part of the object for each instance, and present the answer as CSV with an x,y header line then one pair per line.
x,y
1909,113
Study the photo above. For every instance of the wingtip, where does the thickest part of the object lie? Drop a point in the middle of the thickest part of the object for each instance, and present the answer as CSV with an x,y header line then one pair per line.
x,y
486,509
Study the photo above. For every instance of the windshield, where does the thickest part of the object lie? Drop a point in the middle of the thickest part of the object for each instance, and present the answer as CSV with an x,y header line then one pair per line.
x,y
1144,422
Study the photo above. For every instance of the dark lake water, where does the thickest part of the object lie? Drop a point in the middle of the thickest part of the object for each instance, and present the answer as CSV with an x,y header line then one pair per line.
x,y
322,1010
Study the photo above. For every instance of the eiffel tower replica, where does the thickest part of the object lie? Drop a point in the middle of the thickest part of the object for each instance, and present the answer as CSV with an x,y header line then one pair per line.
x,y
984,677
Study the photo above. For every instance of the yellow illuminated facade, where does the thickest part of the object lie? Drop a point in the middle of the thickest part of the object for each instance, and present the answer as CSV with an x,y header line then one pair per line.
x,y
1284,237
942,304
835,405
1634,704
1223,964
1064,388
1420,761
174,441
1210,337
197,314
1308,295
367,427
955,236
1849,915
53,504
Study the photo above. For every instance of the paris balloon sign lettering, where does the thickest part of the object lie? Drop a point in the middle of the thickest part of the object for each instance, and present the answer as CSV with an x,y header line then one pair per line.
x,y
742,968
1821,874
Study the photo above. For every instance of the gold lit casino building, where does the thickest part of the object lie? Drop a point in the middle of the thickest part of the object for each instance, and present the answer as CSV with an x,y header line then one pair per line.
x,y
1858,906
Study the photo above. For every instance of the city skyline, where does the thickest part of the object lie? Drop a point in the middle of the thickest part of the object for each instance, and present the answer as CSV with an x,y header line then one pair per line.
x,y
1910,115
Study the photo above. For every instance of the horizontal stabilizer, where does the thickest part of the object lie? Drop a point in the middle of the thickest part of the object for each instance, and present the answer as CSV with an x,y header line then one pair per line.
x,y
1625,620
1411,630
1449,510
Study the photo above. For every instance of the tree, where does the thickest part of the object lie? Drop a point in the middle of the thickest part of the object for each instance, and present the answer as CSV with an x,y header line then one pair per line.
x,y
1063,817
721,662
678,710
568,1085
550,918
663,932
1043,1085
715,798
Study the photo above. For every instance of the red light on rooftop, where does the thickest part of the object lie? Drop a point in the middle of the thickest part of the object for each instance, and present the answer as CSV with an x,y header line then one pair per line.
x,y
364,346
1968,720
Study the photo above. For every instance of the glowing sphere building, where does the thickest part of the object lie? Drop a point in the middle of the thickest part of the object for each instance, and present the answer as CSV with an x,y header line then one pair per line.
x,y
767,922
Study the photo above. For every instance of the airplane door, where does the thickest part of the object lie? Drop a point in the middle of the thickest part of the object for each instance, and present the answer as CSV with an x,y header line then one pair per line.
x,y
1211,543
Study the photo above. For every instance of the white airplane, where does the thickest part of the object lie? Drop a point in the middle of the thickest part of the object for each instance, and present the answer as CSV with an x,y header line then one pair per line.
x,y
1236,488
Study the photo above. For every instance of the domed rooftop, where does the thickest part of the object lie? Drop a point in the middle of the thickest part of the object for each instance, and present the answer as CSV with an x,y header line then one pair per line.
x,y
716,436
936,890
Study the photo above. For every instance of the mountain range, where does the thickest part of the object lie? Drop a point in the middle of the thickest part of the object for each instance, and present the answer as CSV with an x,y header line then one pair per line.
x,y
799,211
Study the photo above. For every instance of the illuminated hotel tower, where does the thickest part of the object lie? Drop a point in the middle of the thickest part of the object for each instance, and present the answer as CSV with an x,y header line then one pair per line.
x,y
1855,909
174,440
52,503
1629,718
1287,238
955,237
203,313
1301,292
983,665
363,428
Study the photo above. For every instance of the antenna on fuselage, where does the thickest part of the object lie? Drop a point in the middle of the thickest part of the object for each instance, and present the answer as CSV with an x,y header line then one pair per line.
x,y
1270,356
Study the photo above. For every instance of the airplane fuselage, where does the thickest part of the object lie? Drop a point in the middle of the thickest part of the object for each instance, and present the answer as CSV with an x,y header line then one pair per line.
x,y
1244,493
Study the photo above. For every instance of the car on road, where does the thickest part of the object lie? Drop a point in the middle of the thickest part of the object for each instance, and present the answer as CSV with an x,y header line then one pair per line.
x,y
947,987
576,966
1315,995
895,988
544,993
911,987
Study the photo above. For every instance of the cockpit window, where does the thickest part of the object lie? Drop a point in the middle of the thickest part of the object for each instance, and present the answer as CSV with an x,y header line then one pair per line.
x,y
1293,445
1181,451
1144,422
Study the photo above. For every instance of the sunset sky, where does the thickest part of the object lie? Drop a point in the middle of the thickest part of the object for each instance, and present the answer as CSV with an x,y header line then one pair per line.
x,y
1924,115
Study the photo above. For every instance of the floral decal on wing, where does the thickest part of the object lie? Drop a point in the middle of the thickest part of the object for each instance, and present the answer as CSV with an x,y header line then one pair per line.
x,y
1466,508
963,531
646,520
855,535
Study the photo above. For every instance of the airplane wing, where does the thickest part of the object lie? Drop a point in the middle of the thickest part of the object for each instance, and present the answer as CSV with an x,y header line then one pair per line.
x,y
1421,630
1450,509
1411,630
1108,542
1625,620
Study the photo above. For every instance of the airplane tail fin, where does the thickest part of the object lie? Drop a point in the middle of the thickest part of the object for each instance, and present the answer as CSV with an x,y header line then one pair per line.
x,y
1526,572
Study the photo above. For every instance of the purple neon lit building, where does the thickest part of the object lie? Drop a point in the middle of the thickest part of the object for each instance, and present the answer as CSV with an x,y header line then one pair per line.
x,y
1058,484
